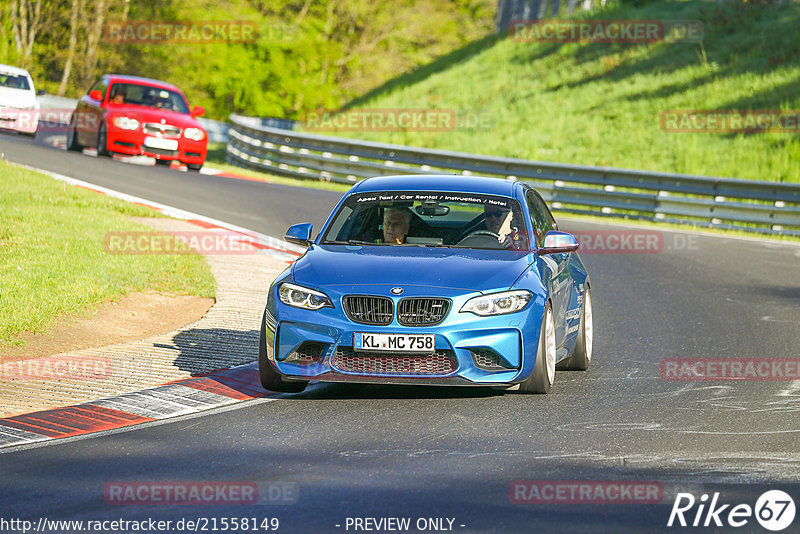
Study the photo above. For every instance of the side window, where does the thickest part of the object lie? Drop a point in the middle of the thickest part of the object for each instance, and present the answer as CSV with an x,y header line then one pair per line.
x,y
541,218
551,221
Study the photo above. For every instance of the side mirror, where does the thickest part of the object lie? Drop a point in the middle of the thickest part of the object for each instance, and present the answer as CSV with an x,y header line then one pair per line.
x,y
41,92
198,111
299,234
556,242
96,94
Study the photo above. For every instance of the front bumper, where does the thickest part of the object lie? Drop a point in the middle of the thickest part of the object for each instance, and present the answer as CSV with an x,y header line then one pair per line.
x,y
133,144
20,120
318,345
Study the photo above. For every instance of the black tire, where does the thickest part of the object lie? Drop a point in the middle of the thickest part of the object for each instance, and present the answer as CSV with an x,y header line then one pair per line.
x,y
270,379
102,142
72,139
582,353
194,166
544,371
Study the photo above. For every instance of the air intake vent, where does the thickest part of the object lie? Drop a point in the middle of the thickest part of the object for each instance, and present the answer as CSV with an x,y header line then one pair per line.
x,y
422,311
440,363
166,130
307,353
368,309
489,360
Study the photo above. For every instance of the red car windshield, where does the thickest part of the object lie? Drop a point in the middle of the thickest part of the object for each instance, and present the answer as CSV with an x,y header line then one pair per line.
x,y
144,95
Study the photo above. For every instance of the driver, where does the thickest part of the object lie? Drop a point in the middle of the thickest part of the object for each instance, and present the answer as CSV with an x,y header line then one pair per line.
x,y
119,96
494,217
498,221
396,222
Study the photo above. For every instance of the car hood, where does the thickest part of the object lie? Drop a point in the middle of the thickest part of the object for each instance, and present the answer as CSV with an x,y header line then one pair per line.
x,y
463,269
145,114
17,98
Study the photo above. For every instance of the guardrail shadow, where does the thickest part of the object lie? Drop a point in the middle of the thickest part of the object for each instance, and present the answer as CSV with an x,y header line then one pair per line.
x,y
203,350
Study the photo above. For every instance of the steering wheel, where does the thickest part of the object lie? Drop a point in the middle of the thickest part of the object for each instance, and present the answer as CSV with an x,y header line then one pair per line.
x,y
482,239
485,232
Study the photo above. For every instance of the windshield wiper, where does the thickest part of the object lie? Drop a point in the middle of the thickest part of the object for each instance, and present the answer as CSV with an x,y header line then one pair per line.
x,y
348,242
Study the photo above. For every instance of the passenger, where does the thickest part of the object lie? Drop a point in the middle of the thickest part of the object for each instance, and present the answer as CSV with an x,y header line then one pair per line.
x,y
396,222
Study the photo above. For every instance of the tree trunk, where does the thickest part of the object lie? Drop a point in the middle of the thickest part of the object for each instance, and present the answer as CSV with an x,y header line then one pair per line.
x,y
74,22
93,41
26,18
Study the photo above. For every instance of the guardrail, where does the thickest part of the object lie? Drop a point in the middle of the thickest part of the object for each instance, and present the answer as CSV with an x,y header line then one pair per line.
x,y
766,207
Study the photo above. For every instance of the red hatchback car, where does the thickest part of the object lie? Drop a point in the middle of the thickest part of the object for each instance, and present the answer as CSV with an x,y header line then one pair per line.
x,y
139,116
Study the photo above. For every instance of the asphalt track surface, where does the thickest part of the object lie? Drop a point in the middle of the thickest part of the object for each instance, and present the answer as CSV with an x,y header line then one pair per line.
x,y
377,452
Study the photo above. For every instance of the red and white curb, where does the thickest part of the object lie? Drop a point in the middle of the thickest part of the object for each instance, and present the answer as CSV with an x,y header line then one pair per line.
x,y
268,244
186,396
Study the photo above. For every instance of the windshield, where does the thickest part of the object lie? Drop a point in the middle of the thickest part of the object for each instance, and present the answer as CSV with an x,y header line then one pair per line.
x,y
14,81
144,95
403,218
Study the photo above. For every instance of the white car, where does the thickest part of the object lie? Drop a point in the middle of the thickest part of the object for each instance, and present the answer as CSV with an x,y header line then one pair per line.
x,y
19,107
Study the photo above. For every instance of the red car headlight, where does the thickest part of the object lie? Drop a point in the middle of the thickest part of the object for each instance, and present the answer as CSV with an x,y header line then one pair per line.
x,y
126,123
195,134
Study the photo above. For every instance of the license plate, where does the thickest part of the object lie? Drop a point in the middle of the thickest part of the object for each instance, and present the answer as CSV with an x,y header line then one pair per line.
x,y
164,144
394,342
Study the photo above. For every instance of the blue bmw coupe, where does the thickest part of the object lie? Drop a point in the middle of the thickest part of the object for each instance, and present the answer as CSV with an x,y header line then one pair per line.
x,y
434,280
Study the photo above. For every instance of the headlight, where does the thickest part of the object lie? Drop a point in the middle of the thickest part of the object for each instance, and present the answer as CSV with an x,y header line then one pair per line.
x,y
125,123
195,134
498,303
302,297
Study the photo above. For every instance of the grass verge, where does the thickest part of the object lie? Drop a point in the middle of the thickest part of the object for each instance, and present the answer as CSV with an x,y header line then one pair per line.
x,y
601,103
52,256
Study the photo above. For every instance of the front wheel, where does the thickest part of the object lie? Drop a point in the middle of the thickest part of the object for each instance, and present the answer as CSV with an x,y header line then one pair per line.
x,y
194,166
582,353
72,138
544,371
271,379
102,142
